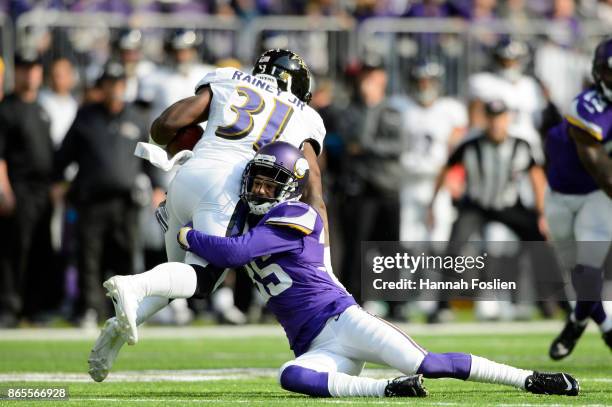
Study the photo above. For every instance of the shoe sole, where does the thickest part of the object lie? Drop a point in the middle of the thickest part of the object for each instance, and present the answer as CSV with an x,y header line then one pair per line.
x,y
98,370
125,328
421,382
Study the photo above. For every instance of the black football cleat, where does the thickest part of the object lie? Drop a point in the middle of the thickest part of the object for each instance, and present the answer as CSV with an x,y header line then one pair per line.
x,y
564,344
406,386
560,384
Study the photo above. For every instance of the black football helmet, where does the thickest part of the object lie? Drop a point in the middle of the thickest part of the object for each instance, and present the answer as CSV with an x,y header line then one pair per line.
x,y
602,67
289,70
182,39
509,48
129,39
426,68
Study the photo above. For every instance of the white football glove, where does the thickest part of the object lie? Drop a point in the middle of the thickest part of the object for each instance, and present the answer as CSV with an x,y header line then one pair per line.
x,y
182,237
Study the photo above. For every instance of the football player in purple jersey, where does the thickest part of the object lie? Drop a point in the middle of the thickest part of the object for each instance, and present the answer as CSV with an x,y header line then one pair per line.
x,y
579,204
243,112
282,250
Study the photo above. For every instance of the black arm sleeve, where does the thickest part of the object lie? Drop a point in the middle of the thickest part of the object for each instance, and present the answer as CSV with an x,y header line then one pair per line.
x,y
456,156
67,152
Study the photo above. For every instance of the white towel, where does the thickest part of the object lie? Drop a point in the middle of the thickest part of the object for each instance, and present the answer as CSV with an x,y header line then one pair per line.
x,y
158,156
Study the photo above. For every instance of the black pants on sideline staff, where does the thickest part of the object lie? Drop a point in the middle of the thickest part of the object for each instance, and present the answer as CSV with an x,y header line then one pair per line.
x,y
373,216
107,233
472,218
522,221
29,272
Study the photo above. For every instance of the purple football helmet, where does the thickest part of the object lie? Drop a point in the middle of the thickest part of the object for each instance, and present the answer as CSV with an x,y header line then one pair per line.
x,y
602,67
279,165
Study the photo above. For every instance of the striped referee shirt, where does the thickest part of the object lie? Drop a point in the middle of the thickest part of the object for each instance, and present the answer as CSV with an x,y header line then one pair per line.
x,y
493,171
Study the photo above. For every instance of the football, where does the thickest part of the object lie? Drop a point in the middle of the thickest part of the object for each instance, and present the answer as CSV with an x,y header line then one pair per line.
x,y
185,139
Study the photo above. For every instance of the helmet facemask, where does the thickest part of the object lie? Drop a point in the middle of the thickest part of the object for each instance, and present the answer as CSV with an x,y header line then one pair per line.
x,y
265,185
602,74
289,71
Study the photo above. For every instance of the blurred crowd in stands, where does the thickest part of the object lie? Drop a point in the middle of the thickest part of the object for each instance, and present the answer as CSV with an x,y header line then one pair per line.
x,y
76,206
473,10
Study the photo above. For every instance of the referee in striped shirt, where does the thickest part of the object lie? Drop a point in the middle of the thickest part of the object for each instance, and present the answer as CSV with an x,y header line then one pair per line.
x,y
494,163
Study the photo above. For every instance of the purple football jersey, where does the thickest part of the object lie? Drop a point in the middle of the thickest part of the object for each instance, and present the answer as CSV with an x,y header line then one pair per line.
x,y
283,254
591,113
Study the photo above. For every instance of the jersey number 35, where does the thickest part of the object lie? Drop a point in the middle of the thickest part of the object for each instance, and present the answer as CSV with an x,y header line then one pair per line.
x,y
270,280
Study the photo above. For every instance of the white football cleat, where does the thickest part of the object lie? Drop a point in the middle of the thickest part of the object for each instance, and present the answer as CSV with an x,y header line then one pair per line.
x,y
126,301
105,350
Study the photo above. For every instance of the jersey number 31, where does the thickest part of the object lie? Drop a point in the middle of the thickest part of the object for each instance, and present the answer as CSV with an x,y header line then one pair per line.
x,y
253,105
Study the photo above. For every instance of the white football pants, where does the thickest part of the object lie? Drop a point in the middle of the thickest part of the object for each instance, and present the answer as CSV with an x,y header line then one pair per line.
x,y
580,218
355,337
204,192
414,199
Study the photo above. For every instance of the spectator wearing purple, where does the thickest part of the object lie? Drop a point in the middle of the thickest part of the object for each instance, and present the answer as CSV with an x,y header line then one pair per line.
x,y
437,9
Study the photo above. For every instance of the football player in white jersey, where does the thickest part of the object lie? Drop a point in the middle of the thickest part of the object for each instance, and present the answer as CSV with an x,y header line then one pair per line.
x,y
243,112
507,81
173,82
433,125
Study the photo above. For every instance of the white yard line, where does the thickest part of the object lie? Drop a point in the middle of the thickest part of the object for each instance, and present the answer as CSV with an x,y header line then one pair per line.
x,y
368,401
250,331
193,375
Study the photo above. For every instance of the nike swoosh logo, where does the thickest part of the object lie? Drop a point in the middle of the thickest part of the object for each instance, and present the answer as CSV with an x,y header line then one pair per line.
x,y
569,385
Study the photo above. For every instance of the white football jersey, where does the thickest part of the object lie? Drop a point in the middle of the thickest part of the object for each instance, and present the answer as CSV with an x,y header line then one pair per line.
x,y
247,112
427,131
167,86
524,97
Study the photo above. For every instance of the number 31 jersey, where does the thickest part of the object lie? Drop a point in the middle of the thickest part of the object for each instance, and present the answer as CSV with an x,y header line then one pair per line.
x,y
248,112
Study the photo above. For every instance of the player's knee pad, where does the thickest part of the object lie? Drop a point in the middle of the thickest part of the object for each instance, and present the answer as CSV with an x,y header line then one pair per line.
x,y
302,380
588,282
453,365
207,278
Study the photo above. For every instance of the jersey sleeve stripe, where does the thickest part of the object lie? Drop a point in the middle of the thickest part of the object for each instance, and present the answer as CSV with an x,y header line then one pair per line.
x,y
590,128
301,228
304,222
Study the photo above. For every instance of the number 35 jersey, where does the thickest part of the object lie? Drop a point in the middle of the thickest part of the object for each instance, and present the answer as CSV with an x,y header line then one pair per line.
x,y
591,113
283,255
248,112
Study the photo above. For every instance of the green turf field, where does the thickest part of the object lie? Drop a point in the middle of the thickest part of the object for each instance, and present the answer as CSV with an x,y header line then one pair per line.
x,y
231,371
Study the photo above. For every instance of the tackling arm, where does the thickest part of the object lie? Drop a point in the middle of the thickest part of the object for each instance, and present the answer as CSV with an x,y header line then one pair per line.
x,y
313,194
594,158
236,251
185,112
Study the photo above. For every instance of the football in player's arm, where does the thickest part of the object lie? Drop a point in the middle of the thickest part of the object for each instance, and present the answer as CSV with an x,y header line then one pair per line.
x,y
330,335
195,110
243,112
